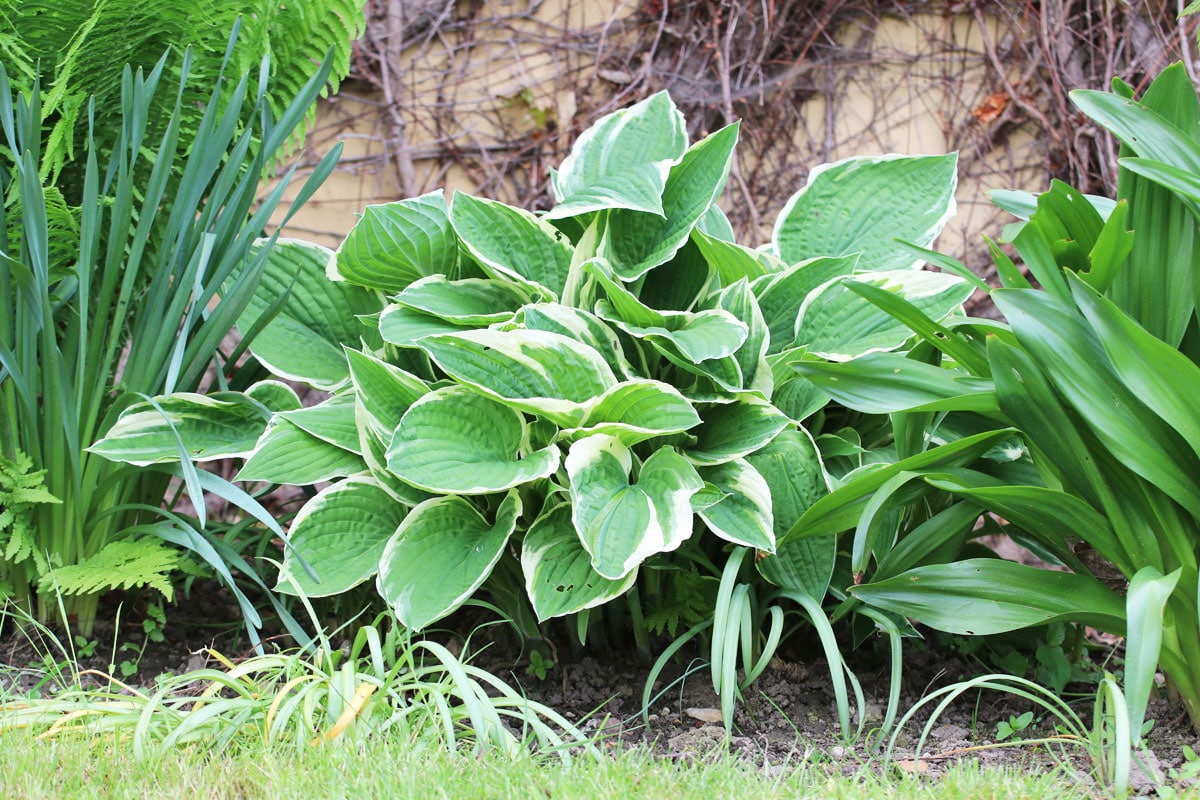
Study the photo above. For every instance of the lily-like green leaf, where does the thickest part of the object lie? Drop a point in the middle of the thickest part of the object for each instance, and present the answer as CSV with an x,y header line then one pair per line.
x,y
207,427
622,524
735,430
885,383
982,596
397,243
457,441
622,161
751,357
558,571
339,535
512,244
735,504
862,204
469,303
442,552
288,454
733,261
1145,602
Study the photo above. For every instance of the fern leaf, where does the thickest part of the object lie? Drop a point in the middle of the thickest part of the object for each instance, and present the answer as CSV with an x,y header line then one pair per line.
x,y
125,564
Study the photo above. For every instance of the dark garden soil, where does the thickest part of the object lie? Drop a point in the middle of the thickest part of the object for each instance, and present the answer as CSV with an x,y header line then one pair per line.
x,y
788,716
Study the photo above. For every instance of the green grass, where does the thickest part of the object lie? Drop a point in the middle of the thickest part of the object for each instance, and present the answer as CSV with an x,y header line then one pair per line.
x,y
102,768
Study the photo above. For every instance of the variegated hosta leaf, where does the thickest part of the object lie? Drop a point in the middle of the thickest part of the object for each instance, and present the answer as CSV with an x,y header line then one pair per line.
x,y
791,466
735,430
394,244
512,244
838,324
863,204
275,395
751,357
340,535
288,454
622,524
622,161
456,441
734,261
208,427
636,242
442,552
558,571
637,410
580,325
384,391
537,371
304,340
403,326
331,421
374,450
736,505
468,303
781,296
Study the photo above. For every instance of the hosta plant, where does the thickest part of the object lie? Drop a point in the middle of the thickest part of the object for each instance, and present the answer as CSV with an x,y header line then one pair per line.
x,y
1097,370
565,397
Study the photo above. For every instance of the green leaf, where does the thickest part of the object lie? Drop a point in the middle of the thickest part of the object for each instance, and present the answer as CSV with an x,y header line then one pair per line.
x,y
403,326
621,523
384,391
559,578
442,552
207,427
458,441
838,324
862,204
512,244
339,536
636,242
274,395
634,411
751,357
781,296
733,261
582,326
983,596
331,420
885,383
735,504
622,161
304,341
537,371
397,243
1145,602
470,302
287,454
735,430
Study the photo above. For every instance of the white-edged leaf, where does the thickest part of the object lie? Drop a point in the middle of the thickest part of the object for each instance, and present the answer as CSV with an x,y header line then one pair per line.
x,y
274,395
402,326
470,302
622,524
331,420
622,161
734,430
394,244
582,326
457,441
559,578
740,301
340,535
385,391
741,511
780,296
512,244
863,204
442,552
636,410
291,455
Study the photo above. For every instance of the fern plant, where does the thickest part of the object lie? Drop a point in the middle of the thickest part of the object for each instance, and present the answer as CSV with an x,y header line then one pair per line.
x,y
21,490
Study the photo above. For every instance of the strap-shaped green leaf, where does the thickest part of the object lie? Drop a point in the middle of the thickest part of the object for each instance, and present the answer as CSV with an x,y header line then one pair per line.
x,y
470,302
982,596
735,504
457,441
1145,601
288,454
636,242
537,371
622,161
838,324
394,244
339,535
206,427
622,524
735,430
862,204
559,578
884,383
636,410
512,244
442,552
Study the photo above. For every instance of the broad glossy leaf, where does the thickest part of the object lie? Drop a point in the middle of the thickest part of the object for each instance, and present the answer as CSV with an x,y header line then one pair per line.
x,y
512,244
679,284
751,357
470,302
537,371
984,596
340,534
735,430
862,204
839,324
622,523
580,325
733,261
331,420
275,395
735,504
559,578
442,552
304,341
385,391
394,244
622,161
885,383
404,326
636,242
634,411
208,427
457,441
291,455
781,296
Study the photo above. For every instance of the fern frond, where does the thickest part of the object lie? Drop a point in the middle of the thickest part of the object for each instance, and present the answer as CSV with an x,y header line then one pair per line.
x,y
125,564
20,490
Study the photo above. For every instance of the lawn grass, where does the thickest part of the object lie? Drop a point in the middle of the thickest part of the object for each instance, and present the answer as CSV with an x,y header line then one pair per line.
x,y
103,768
